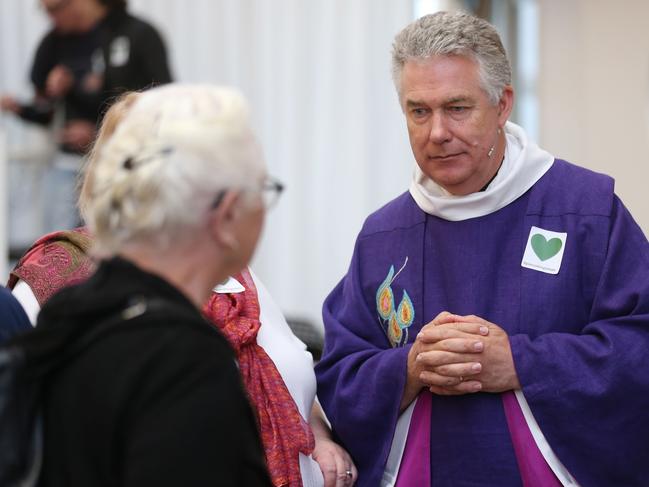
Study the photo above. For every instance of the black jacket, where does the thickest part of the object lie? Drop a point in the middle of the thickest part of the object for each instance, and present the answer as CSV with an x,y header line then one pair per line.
x,y
156,402
133,52
126,52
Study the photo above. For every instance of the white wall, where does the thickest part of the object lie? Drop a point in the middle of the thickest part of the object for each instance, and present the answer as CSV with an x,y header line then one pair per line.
x,y
20,28
594,91
3,203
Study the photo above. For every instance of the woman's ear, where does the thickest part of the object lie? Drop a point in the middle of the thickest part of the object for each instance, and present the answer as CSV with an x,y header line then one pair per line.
x,y
224,219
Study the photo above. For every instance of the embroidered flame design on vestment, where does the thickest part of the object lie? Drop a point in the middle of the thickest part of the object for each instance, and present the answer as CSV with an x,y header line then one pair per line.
x,y
394,330
385,297
405,312
395,322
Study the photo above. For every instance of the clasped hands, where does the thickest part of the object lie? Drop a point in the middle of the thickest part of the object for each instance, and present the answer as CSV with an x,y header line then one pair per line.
x,y
455,355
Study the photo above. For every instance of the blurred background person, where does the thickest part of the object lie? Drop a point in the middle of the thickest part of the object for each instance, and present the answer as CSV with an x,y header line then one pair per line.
x,y
62,258
94,51
276,366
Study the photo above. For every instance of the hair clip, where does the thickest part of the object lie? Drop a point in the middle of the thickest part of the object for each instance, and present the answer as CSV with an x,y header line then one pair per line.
x,y
130,162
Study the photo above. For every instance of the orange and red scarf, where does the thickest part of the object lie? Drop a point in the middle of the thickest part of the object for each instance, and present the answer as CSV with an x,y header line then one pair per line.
x,y
284,432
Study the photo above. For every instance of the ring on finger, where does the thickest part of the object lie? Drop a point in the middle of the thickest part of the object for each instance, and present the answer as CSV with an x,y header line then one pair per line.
x,y
346,475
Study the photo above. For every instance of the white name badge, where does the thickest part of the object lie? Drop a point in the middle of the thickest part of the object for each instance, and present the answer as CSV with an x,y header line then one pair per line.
x,y
120,51
544,250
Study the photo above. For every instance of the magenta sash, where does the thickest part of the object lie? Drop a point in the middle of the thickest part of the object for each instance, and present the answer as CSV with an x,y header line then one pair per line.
x,y
535,471
415,463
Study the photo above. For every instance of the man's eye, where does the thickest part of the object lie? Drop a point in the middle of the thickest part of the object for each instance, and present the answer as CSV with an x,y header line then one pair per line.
x,y
419,112
457,108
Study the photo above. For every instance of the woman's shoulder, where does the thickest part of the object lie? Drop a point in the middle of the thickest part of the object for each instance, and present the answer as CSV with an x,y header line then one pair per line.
x,y
53,262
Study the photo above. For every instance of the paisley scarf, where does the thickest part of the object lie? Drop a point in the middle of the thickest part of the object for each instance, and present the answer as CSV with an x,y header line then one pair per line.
x,y
57,260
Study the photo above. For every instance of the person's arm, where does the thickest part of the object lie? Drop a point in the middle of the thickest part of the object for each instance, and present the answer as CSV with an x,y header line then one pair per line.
x,y
334,461
361,378
40,111
25,296
45,60
587,381
13,319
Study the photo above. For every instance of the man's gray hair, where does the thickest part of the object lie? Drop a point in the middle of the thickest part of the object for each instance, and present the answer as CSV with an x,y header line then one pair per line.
x,y
454,34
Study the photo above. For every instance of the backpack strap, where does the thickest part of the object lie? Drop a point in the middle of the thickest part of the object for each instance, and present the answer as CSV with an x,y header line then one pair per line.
x,y
122,318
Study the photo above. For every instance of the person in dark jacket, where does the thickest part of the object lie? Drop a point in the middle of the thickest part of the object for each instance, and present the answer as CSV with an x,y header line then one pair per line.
x,y
94,51
176,206
13,318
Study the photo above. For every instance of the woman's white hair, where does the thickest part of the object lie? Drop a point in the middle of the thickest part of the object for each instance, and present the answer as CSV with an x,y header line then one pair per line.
x,y
178,147
454,34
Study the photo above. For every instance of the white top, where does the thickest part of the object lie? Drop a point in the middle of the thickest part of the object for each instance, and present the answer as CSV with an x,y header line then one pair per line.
x,y
398,446
27,299
289,353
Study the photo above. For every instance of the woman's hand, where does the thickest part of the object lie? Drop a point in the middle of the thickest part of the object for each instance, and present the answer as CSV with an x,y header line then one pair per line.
x,y
337,466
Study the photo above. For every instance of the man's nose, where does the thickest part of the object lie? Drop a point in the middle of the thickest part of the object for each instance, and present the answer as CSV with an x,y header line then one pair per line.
x,y
439,130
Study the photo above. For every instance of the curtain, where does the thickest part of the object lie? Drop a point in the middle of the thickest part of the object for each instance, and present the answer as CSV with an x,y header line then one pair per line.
x,y
317,74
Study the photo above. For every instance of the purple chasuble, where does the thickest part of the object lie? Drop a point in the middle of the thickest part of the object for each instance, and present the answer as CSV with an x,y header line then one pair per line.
x,y
578,338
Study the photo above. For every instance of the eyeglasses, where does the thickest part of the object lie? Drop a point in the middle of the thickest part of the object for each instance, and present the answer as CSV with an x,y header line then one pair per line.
x,y
271,189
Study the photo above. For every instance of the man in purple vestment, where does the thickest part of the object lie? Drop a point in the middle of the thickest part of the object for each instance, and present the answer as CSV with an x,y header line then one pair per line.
x,y
494,322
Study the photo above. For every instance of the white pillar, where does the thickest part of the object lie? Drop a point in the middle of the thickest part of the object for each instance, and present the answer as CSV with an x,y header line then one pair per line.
x,y
4,238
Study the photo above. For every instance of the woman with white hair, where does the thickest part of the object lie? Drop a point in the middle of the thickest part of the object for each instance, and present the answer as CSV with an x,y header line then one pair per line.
x,y
277,368
156,398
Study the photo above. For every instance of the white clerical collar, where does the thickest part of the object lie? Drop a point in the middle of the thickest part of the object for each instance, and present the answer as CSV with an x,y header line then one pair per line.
x,y
229,286
523,165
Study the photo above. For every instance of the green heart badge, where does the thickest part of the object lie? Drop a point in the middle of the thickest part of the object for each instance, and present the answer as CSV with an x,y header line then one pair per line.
x,y
543,248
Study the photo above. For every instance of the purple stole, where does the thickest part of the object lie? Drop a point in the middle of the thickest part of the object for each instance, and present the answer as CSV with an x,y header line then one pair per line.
x,y
415,463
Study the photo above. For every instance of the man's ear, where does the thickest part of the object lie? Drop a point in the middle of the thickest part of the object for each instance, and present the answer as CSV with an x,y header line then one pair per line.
x,y
223,220
505,105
